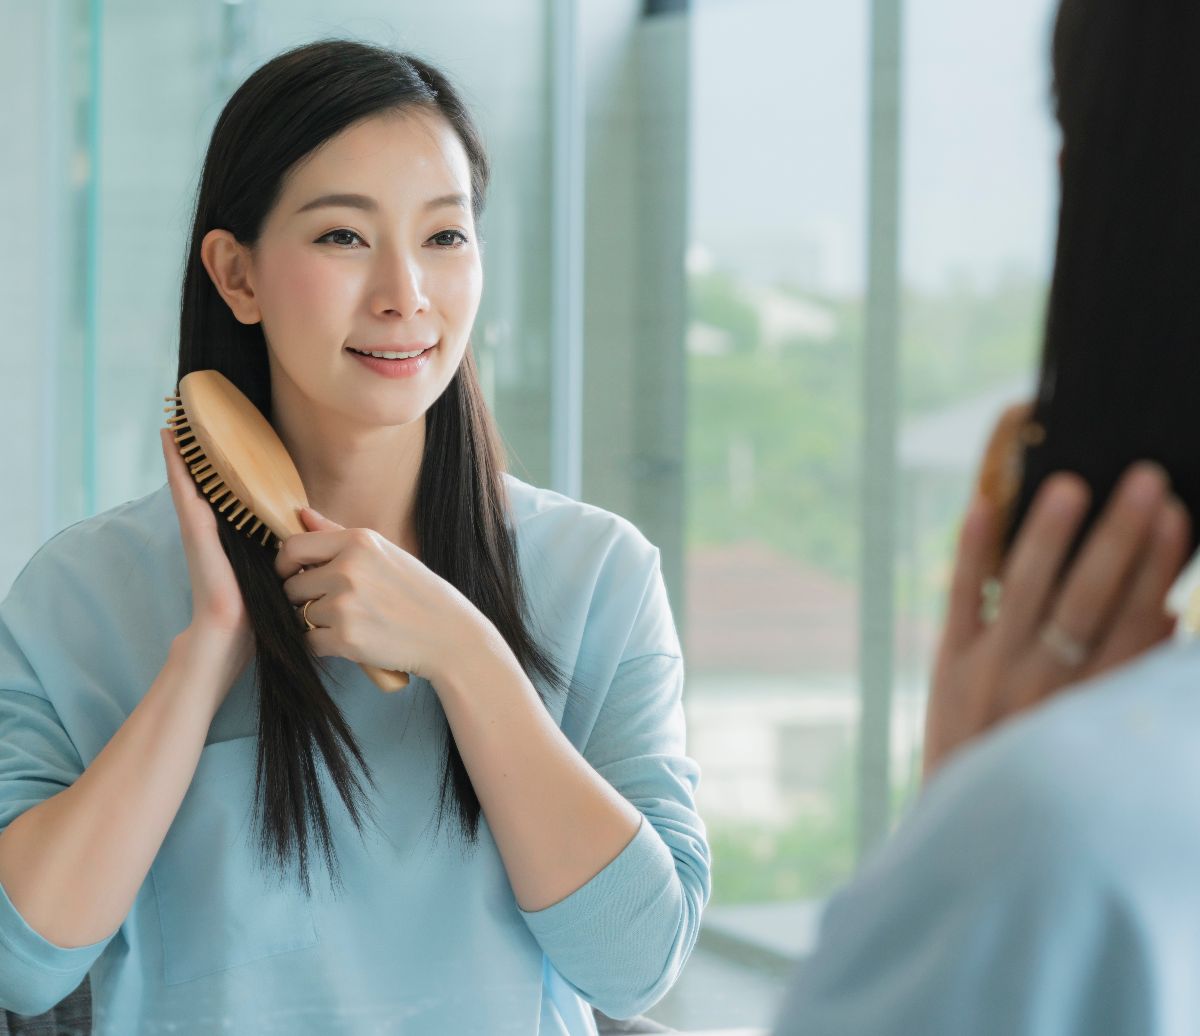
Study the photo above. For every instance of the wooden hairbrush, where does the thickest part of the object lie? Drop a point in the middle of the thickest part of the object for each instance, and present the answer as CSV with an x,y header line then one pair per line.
x,y
243,468
1002,468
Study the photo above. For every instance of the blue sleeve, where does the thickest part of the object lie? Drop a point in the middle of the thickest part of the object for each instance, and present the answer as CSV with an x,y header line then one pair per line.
x,y
623,937
37,760
992,911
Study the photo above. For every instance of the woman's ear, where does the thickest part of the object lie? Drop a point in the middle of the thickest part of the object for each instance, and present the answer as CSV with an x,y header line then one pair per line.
x,y
227,261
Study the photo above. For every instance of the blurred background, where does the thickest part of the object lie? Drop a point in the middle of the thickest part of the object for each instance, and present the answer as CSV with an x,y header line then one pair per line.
x,y
759,276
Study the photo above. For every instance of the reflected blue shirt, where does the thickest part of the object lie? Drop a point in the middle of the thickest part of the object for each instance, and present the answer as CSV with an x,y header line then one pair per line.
x,y
427,938
1047,882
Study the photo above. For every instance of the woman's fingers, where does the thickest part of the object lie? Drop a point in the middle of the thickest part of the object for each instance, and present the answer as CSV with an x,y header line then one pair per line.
x,y
194,511
1109,603
197,522
1093,588
976,546
183,489
1140,620
307,550
1036,559
174,464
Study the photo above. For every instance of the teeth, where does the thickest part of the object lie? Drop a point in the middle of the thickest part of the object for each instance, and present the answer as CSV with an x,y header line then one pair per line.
x,y
389,355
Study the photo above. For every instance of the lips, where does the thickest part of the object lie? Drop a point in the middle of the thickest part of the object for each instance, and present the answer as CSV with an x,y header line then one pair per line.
x,y
406,367
401,348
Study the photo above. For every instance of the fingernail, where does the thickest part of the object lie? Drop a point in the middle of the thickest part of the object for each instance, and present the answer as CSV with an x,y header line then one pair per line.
x,y
1064,494
1146,482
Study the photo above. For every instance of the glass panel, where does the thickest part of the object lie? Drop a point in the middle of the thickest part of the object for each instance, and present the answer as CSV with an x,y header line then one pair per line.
x,y
45,68
775,417
979,214
21,368
151,145
775,273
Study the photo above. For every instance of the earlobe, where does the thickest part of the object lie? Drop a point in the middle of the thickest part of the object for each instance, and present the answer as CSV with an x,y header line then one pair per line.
x,y
227,263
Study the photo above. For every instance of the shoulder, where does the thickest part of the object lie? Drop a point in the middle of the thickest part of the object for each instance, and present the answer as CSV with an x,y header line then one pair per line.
x,y
1083,795
1049,866
594,582
561,529
105,548
92,608
1099,776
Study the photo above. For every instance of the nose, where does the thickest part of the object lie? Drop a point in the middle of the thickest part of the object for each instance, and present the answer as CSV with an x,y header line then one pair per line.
x,y
399,288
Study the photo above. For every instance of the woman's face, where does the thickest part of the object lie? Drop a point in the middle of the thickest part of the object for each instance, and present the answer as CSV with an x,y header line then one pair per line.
x,y
370,248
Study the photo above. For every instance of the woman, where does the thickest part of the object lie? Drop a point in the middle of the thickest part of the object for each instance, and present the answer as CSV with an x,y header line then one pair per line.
x,y
1045,884
485,862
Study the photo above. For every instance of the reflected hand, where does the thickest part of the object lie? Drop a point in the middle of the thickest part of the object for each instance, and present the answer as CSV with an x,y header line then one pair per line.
x,y
1052,631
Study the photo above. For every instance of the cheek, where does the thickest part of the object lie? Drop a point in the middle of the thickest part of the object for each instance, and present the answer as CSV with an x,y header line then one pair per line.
x,y
460,293
301,289
304,305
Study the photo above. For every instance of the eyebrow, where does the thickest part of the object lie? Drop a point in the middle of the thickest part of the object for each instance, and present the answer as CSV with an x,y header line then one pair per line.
x,y
368,204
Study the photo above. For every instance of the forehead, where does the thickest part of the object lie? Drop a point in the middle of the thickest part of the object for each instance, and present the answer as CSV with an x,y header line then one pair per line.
x,y
397,157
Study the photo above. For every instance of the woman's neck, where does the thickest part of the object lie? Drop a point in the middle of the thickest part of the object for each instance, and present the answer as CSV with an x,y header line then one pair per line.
x,y
362,477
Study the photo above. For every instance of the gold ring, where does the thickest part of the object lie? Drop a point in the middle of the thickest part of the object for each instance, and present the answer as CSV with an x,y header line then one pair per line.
x,y
1069,651
304,616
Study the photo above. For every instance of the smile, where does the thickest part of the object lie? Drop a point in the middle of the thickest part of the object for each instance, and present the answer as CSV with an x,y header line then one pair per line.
x,y
395,363
392,355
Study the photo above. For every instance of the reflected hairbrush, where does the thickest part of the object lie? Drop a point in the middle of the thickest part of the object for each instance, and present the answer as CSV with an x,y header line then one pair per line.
x,y
1001,471
243,468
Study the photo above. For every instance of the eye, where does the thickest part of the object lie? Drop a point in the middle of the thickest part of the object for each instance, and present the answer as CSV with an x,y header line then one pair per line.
x,y
442,241
342,243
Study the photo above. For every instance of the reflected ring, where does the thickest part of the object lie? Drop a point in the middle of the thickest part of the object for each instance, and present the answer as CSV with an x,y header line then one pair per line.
x,y
304,615
1070,652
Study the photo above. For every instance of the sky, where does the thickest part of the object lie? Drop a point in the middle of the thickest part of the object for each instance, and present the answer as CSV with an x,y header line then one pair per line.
x,y
779,140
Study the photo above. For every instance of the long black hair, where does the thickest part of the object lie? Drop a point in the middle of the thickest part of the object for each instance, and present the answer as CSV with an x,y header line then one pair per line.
x,y
285,110
1120,375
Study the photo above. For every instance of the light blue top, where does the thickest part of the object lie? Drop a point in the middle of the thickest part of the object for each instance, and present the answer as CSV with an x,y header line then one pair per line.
x,y
428,939
1047,882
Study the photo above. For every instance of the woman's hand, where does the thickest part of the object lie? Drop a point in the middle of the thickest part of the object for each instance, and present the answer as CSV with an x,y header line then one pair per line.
x,y
1050,632
218,610
374,603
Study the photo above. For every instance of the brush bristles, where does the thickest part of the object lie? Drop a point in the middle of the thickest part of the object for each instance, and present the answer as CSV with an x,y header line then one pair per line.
x,y
211,484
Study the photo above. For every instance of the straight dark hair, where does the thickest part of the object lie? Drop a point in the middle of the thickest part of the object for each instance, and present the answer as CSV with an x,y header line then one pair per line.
x,y
1120,373
285,110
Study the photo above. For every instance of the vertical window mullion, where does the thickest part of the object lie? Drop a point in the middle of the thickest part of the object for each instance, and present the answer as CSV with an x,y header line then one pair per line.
x,y
91,335
880,423
566,290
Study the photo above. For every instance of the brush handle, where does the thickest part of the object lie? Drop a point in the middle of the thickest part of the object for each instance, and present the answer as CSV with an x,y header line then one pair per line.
x,y
385,679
